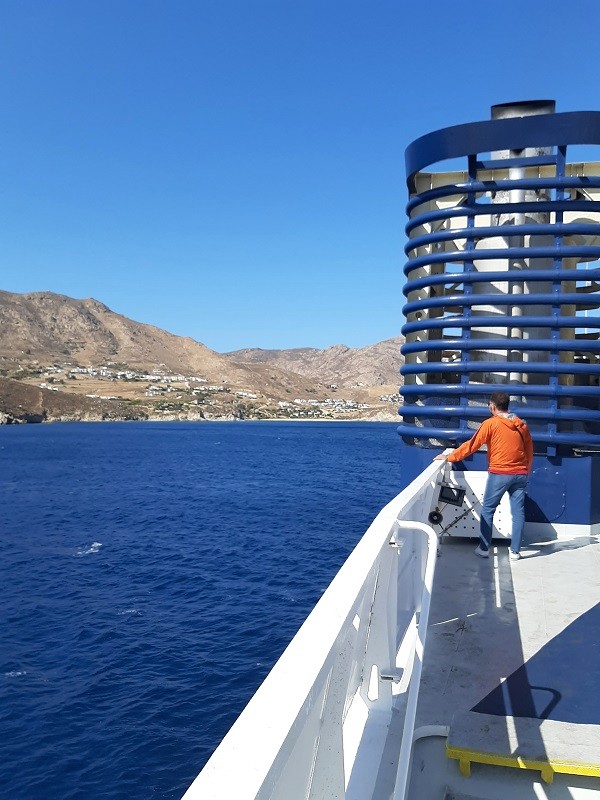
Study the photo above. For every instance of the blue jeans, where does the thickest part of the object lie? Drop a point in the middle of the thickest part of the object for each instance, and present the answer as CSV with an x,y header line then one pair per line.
x,y
494,489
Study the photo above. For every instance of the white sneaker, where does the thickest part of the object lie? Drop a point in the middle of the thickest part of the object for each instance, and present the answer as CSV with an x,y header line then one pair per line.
x,y
514,556
482,553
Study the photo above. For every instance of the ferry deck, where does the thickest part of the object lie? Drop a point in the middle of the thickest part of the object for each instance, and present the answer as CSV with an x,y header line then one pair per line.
x,y
511,673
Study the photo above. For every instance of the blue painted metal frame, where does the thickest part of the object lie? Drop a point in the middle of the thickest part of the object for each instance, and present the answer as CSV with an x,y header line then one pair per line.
x,y
499,321
465,353
568,298
507,208
486,277
483,187
576,424
545,130
569,346
483,390
470,233
491,255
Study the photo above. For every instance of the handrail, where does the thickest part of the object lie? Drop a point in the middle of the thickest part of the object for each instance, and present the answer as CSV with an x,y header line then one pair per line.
x,y
404,758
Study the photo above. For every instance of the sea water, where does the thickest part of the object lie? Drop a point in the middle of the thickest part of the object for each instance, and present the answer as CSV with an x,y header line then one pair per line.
x,y
151,575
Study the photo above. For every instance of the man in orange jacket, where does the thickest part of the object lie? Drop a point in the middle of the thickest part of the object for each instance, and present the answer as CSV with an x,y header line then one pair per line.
x,y
510,456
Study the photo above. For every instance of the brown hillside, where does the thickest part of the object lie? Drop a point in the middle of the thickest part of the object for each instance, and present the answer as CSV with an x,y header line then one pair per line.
x,y
45,328
374,365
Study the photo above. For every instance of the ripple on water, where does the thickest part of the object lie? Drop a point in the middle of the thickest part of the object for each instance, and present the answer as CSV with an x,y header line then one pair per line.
x,y
88,551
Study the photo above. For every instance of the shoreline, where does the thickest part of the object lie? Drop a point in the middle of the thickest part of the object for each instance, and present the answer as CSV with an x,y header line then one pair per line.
x,y
16,422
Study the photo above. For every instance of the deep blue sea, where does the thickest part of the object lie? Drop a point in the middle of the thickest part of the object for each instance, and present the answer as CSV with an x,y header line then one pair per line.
x,y
151,575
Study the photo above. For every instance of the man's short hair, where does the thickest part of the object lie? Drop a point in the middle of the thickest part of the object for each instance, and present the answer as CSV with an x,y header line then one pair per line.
x,y
501,400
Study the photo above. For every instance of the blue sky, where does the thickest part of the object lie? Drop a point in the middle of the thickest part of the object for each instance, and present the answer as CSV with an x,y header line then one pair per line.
x,y
233,170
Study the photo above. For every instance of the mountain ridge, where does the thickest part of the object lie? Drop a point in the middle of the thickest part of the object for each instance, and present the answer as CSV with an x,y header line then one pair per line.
x,y
372,365
89,344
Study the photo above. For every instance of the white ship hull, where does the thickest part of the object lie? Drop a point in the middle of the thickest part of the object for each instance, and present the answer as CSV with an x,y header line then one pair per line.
x,y
373,697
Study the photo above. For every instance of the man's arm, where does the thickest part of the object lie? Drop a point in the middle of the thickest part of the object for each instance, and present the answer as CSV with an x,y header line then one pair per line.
x,y
468,448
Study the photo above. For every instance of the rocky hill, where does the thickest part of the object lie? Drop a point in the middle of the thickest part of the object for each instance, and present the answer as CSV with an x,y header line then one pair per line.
x,y
374,365
47,327
80,348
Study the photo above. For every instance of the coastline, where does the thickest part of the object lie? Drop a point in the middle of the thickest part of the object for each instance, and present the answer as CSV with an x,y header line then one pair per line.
x,y
6,419
27,403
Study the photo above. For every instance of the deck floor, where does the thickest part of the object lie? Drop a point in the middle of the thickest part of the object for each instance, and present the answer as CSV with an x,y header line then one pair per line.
x,y
490,616
512,661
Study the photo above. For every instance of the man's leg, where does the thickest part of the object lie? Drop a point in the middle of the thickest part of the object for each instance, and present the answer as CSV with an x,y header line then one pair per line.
x,y
494,489
516,492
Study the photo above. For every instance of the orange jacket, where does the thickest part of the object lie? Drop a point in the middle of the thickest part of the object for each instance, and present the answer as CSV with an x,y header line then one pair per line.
x,y
509,446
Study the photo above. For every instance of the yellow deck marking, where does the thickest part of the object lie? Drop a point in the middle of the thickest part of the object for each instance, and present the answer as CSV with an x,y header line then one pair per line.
x,y
547,768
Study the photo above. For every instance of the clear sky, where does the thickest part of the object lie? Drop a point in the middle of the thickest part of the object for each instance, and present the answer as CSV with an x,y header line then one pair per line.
x,y
233,170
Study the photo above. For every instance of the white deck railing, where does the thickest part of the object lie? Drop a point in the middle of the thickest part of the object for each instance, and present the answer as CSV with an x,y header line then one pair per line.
x,y
355,659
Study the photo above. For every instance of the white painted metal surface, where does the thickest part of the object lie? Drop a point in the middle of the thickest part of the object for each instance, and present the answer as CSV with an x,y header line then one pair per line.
x,y
345,690
463,520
